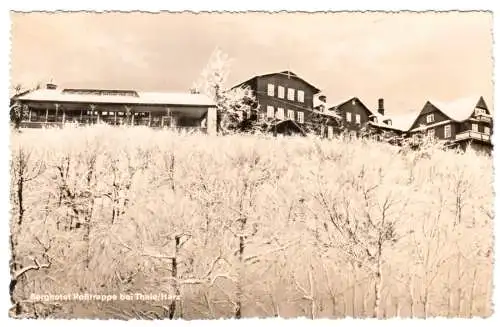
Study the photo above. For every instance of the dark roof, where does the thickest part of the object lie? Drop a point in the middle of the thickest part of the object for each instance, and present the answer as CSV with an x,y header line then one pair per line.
x,y
287,73
371,112
276,123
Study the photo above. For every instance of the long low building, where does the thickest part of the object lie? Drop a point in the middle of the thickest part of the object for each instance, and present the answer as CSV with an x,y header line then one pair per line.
x,y
56,106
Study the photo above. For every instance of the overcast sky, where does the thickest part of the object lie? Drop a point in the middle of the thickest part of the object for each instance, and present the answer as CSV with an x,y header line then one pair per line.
x,y
406,58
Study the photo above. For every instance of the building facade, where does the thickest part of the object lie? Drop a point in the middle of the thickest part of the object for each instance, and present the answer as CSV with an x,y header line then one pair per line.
x,y
53,106
461,123
283,96
287,102
358,120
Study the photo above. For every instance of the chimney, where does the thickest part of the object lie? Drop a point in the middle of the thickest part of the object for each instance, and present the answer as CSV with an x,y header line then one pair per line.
x,y
381,106
320,104
51,86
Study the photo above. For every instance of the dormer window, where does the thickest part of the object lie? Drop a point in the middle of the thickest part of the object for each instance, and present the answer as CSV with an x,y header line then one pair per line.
x,y
375,119
430,118
479,112
388,122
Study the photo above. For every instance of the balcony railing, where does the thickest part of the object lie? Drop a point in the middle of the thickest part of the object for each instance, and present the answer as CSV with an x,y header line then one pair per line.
x,y
473,135
484,118
177,129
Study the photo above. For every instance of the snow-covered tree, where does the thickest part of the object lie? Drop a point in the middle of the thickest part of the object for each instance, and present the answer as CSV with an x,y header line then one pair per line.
x,y
236,107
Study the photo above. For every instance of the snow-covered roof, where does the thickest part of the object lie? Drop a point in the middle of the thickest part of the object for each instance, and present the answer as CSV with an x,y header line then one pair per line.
x,y
425,127
151,98
383,125
458,110
404,121
317,102
337,102
330,113
378,115
287,73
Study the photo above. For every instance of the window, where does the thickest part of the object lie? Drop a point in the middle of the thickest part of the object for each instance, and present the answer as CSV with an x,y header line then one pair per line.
x,y
348,116
430,118
300,96
291,114
479,112
447,131
270,112
358,119
352,134
270,90
281,113
474,127
300,117
330,132
487,130
431,132
281,92
291,94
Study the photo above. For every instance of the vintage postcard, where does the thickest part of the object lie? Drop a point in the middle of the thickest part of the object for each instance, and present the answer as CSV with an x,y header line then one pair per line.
x,y
251,165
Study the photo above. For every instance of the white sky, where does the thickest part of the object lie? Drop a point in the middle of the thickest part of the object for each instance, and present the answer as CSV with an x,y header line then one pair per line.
x,y
405,58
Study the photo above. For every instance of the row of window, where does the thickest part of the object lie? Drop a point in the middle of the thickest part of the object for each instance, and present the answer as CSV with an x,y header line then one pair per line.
x,y
281,93
94,113
280,114
119,113
447,130
349,118
100,92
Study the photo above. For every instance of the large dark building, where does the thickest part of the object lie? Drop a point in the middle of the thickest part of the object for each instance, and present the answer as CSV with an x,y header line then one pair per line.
x,y
288,101
283,95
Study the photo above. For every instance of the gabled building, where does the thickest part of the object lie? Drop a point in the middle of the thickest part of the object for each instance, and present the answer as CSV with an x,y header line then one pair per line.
x,y
357,117
283,96
462,122
54,106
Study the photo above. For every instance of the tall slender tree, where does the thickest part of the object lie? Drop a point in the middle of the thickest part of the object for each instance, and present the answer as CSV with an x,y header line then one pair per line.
x,y
236,107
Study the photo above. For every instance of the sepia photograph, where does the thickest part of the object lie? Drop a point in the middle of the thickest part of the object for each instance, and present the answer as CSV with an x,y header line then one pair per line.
x,y
235,165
